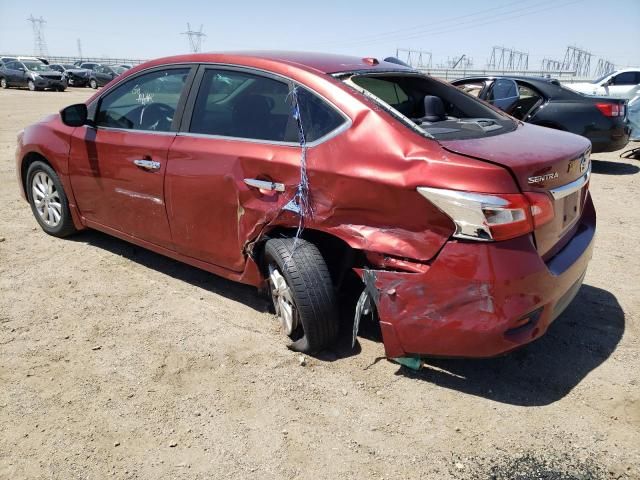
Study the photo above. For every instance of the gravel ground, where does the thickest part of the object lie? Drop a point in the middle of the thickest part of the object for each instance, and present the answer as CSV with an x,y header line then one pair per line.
x,y
117,362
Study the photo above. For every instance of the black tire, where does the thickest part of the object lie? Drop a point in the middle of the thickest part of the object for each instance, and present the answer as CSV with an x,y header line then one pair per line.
x,y
3,83
65,226
93,84
307,276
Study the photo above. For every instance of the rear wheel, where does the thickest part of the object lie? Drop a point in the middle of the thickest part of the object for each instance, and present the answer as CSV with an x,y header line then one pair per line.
x,y
93,84
3,83
302,292
48,201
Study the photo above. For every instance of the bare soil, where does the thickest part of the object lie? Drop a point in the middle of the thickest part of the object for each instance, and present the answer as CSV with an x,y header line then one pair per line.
x,y
117,362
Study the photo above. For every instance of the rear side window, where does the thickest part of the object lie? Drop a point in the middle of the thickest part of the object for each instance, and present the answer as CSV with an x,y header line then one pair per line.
x,y
244,105
318,118
146,102
627,78
439,109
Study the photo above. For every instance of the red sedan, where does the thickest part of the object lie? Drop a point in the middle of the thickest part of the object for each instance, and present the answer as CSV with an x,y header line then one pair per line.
x,y
465,232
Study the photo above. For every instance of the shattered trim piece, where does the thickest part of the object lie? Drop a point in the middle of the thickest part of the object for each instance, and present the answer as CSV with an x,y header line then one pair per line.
x,y
363,307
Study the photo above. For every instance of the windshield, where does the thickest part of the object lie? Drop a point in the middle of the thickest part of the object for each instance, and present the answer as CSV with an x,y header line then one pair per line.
x,y
68,66
36,66
437,109
602,78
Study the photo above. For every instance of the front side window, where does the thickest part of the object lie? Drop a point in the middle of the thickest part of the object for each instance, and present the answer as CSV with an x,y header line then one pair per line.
x,y
146,102
244,105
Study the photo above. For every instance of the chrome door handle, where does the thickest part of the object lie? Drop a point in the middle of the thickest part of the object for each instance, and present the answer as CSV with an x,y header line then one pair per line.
x,y
264,184
147,164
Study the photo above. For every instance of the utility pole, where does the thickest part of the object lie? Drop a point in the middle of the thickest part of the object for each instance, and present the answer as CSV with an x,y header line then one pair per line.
x,y
195,38
79,50
39,43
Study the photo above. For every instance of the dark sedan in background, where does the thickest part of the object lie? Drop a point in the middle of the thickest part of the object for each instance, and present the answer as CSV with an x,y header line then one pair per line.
x,y
544,102
100,74
76,76
33,74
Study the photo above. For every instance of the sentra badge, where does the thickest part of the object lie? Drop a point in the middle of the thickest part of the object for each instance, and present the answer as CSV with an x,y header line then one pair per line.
x,y
543,178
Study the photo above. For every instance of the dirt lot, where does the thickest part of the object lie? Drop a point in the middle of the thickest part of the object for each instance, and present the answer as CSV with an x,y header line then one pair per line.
x,y
118,362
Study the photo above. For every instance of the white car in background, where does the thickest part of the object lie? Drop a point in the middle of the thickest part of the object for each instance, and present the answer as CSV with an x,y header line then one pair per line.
x,y
614,84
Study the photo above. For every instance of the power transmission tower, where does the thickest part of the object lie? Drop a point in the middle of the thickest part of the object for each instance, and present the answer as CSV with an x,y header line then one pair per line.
x,y
415,58
79,50
604,66
462,61
508,59
550,65
195,38
39,43
577,60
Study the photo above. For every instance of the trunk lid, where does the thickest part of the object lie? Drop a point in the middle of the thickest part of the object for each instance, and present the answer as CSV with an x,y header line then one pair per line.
x,y
541,160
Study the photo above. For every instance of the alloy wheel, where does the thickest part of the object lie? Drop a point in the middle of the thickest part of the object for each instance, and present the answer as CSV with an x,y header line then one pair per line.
x,y
46,199
32,86
283,300
3,83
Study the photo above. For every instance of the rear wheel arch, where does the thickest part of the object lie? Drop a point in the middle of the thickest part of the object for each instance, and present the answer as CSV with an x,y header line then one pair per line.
x,y
338,254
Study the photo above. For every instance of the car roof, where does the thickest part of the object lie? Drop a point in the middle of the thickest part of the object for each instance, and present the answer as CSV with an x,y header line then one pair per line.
x,y
550,87
323,62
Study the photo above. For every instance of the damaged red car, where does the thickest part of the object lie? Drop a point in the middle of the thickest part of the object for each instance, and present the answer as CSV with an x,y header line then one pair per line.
x,y
464,231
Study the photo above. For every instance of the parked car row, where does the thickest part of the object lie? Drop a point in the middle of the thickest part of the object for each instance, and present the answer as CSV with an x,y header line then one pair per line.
x,y
38,74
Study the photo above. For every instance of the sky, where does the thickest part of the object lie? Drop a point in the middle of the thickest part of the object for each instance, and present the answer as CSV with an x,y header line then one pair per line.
x,y
143,29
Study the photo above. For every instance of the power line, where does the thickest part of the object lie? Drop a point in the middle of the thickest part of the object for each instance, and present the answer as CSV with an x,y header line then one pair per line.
x,y
472,23
39,43
195,38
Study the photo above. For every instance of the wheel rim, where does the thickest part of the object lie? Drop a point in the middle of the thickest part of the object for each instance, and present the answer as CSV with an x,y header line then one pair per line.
x,y
3,83
46,199
94,84
32,85
283,300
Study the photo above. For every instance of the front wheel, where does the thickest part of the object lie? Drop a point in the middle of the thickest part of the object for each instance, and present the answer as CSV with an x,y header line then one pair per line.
x,y
302,292
93,84
48,201
31,85
3,83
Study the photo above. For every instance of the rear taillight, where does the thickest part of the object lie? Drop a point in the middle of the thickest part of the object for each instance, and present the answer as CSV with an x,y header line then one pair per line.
x,y
482,216
611,109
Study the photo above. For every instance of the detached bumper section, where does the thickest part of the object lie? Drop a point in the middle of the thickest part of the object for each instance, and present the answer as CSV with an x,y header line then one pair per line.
x,y
481,299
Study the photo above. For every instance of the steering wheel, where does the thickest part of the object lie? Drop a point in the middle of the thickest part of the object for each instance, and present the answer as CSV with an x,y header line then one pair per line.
x,y
156,116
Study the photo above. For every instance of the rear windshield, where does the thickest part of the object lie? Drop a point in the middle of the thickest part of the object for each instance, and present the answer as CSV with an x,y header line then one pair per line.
x,y
438,109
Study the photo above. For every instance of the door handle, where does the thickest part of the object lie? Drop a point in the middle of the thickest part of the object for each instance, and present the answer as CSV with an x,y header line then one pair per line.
x,y
264,185
147,164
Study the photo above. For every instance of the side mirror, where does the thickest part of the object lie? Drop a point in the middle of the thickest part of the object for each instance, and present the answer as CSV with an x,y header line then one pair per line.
x,y
74,115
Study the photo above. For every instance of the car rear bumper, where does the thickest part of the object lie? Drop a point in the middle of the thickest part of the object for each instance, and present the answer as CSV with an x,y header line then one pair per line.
x,y
610,140
481,299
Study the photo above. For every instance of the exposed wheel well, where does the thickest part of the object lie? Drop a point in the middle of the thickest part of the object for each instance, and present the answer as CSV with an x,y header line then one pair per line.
x,y
338,255
28,159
